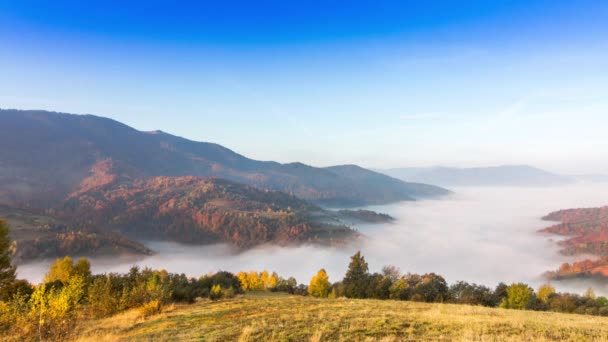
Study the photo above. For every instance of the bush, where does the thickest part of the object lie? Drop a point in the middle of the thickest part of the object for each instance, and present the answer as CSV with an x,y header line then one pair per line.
x,y
228,293
151,308
216,292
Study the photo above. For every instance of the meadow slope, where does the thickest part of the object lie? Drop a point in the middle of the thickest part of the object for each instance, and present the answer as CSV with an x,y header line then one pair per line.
x,y
281,317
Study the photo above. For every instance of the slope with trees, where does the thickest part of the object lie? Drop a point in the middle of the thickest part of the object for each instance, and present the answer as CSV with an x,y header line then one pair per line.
x,y
200,210
70,296
586,232
37,235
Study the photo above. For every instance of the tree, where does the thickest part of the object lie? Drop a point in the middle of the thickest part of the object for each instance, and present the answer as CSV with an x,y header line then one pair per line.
x,y
60,270
273,281
378,286
400,290
544,292
216,292
7,271
602,301
357,277
464,293
500,293
562,303
55,309
102,299
319,285
252,281
83,268
265,279
518,296
431,288
590,294
392,273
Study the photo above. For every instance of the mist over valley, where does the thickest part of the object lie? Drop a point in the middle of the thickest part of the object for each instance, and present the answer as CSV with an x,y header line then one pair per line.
x,y
485,235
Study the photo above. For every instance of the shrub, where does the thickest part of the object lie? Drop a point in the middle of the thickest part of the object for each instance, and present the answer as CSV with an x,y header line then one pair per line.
x,y
216,292
151,308
228,293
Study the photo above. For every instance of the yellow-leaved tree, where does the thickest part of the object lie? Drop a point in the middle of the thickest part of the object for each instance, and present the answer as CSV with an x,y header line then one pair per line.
x,y
319,285
63,269
544,292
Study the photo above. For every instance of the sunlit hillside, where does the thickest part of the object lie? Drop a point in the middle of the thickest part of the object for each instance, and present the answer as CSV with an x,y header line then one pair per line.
x,y
280,317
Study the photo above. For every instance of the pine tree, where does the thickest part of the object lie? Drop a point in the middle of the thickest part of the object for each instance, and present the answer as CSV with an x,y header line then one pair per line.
x,y
7,271
357,277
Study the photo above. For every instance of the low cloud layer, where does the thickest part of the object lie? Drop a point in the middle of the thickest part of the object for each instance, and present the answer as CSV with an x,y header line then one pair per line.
x,y
483,235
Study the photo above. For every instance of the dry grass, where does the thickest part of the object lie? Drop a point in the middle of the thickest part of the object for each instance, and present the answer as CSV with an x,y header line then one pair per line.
x,y
276,317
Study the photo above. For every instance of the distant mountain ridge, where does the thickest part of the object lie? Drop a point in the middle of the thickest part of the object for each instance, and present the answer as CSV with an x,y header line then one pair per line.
x,y
46,156
506,175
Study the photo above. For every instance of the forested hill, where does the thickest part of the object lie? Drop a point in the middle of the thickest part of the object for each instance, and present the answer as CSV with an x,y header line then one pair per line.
x,y
586,233
201,210
46,156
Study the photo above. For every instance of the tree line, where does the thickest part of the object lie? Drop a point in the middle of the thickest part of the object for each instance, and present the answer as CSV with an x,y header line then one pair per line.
x,y
70,293
391,284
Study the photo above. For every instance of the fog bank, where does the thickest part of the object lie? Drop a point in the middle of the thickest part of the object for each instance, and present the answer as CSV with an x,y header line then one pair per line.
x,y
484,235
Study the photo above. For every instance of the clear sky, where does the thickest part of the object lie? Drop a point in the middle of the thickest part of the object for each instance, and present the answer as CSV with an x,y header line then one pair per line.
x,y
377,83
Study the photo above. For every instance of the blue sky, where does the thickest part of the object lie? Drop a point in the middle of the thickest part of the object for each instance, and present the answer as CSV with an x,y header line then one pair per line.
x,y
377,83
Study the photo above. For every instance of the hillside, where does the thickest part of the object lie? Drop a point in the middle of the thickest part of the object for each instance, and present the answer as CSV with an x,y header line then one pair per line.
x,y
507,175
39,236
270,317
46,156
586,233
200,210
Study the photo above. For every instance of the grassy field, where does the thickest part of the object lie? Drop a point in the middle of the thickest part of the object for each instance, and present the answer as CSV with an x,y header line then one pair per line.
x,y
278,317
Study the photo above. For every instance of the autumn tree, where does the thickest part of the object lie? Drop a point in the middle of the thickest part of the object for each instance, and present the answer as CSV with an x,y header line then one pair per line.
x,y
103,301
265,278
357,277
253,281
273,281
544,292
518,296
7,271
83,268
319,285
590,294
391,272
61,269
55,308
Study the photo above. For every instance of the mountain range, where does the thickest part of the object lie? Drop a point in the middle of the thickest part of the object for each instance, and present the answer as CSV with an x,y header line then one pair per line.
x,y
47,156
507,175
87,185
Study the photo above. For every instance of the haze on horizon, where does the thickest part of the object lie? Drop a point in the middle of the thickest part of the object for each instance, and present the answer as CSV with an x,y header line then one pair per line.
x,y
382,85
